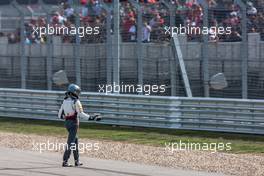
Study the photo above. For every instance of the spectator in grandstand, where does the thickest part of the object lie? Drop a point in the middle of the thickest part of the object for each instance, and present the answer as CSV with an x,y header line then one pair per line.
x,y
146,32
97,8
211,3
213,35
127,23
68,13
193,18
235,10
180,7
132,32
234,36
233,20
14,37
128,16
156,22
68,10
260,22
251,10
260,5
253,23
58,18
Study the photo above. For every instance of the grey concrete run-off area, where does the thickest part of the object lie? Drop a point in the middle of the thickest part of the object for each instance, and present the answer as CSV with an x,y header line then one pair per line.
x,y
15,162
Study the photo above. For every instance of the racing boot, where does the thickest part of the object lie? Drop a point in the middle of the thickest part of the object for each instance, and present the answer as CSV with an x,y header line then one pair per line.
x,y
66,164
78,163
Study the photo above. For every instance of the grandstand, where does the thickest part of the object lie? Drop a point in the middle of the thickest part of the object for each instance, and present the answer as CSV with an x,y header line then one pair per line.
x,y
238,55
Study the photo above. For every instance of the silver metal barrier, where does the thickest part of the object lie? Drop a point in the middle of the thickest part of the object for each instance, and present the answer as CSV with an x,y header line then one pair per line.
x,y
210,114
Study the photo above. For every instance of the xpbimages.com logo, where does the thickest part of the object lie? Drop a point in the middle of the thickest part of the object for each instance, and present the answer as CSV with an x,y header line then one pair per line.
x,y
196,30
145,89
63,30
191,146
58,146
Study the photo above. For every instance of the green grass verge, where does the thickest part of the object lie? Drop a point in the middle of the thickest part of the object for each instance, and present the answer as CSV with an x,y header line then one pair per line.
x,y
240,143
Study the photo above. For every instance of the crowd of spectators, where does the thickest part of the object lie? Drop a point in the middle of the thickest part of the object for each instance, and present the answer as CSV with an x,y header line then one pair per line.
x,y
91,15
156,18
222,13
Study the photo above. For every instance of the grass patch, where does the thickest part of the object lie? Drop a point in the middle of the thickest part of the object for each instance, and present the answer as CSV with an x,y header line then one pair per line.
x,y
240,143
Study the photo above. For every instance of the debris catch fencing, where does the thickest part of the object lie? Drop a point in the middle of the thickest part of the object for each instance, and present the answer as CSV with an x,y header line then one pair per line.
x,y
28,61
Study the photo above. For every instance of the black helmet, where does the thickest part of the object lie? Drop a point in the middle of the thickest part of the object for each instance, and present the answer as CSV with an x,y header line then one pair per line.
x,y
74,90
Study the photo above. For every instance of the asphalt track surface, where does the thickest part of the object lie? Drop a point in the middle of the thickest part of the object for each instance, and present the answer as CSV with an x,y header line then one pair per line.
x,y
15,162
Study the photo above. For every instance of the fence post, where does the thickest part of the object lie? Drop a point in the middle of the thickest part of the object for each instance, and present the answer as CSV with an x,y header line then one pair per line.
x,y
116,47
23,59
139,47
139,43
244,52
109,66
172,62
23,53
205,62
109,61
49,60
76,54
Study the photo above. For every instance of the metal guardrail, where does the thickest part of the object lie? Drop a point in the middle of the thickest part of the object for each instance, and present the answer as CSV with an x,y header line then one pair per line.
x,y
226,115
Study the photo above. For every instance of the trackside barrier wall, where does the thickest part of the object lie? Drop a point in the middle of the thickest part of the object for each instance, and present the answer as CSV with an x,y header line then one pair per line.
x,y
210,114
